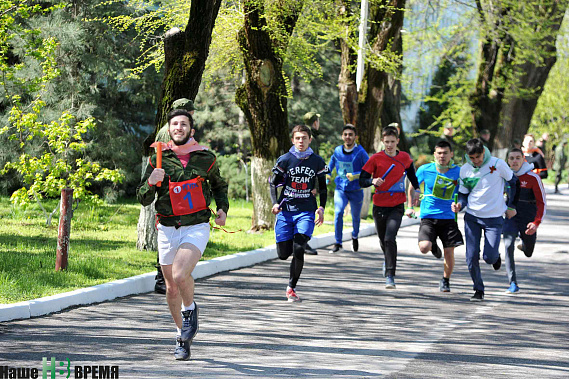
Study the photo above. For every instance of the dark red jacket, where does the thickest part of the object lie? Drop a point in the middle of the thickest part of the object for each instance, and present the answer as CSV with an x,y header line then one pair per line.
x,y
531,205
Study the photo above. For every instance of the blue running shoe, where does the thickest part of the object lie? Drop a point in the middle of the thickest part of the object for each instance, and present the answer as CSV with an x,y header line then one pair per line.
x,y
190,325
182,352
390,282
513,290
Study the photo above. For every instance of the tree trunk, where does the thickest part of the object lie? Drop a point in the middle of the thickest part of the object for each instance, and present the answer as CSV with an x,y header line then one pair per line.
x,y
392,98
507,90
64,230
378,102
365,109
263,218
496,62
185,54
347,87
146,227
518,111
366,203
262,98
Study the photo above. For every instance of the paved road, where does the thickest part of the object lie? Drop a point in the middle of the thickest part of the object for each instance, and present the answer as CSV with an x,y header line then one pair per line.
x,y
347,326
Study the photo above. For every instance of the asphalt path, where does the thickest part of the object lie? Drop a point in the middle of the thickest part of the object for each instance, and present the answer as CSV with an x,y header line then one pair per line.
x,y
347,325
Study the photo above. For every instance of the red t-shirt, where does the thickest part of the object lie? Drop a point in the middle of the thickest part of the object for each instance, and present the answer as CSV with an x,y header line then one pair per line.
x,y
392,191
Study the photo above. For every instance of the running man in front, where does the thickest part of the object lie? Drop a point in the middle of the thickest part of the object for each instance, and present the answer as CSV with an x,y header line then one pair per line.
x,y
183,188
299,172
483,181
387,170
531,209
437,217
348,160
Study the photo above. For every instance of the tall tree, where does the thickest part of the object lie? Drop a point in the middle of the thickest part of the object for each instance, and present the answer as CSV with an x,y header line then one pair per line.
x,y
517,53
380,85
185,54
378,102
552,112
263,97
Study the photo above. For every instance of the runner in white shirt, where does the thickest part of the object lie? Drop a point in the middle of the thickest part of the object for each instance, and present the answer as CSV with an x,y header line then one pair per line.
x,y
483,180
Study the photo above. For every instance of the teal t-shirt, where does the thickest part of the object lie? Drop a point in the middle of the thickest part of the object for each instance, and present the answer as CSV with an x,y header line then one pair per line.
x,y
439,191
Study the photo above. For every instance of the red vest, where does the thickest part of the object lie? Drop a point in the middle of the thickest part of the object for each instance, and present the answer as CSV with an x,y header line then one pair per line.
x,y
187,197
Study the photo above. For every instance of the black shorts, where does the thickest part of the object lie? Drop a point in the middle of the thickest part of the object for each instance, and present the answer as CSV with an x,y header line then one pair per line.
x,y
447,230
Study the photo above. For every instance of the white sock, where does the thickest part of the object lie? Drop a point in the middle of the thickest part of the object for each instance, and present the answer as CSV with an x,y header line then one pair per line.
x,y
179,332
190,308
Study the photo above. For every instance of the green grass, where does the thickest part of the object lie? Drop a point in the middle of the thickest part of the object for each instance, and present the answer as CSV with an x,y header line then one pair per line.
x,y
102,246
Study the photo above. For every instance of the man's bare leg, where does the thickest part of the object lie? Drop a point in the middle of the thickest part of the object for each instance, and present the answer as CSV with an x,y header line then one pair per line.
x,y
179,281
449,261
425,246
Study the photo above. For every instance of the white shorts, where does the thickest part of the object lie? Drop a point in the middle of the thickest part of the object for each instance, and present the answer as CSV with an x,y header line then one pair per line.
x,y
170,239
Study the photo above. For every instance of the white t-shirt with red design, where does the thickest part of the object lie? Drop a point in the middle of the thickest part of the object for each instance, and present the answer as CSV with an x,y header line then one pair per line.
x,y
485,188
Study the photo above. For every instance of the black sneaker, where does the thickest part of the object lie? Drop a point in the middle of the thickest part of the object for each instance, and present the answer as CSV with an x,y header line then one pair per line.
x,y
355,244
444,285
160,286
336,248
436,250
182,352
497,264
522,247
478,296
190,325
310,251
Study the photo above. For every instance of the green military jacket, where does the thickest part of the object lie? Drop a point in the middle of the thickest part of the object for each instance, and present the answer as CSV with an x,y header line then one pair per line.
x,y
199,164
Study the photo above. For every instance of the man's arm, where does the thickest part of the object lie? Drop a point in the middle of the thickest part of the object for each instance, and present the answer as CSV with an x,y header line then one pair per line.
x,y
273,180
145,193
512,192
413,196
539,193
413,177
365,179
323,190
462,200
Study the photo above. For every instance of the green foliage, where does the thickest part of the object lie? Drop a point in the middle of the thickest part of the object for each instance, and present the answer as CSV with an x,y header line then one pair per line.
x,y
58,163
232,170
552,112
525,29
149,19
104,246
89,83
447,103
219,121
58,166
320,95
103,249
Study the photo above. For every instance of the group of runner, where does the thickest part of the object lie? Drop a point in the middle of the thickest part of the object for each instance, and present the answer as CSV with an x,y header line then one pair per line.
x,y
184,176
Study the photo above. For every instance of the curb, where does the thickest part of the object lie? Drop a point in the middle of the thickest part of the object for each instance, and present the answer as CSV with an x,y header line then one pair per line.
x,y
145,282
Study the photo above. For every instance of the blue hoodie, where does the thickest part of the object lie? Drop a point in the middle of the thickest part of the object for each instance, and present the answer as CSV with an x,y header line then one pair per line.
x,y
345,163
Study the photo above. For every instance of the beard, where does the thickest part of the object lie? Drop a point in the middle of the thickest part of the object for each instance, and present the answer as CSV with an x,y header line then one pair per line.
x,y
182,142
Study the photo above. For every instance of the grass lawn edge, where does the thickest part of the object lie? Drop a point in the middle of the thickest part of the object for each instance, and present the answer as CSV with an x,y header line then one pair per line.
x,y
145,282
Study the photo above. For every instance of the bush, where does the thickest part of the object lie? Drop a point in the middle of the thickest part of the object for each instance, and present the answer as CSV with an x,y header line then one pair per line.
x,y
232,170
